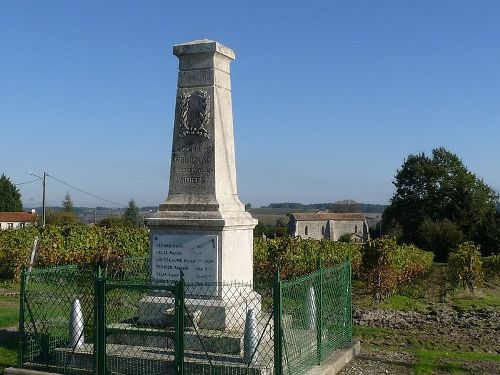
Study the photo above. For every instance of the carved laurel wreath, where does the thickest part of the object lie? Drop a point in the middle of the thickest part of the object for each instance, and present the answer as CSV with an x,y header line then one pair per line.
x,y
203,114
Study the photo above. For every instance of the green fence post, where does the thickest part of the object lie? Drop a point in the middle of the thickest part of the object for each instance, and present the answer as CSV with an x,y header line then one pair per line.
x,y
22,292
278,332
100,322
349,300
179,326
319,313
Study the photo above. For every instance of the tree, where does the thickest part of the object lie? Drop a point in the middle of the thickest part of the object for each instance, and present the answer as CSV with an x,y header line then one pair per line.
x,y
65,217
132,215
440,188
280,229
68,203
346,237
10,197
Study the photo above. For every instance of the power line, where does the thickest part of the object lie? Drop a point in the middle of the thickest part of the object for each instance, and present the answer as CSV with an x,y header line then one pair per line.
x,y
85,192
27,182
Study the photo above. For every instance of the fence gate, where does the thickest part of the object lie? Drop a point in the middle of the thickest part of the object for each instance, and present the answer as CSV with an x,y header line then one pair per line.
x,y
130,328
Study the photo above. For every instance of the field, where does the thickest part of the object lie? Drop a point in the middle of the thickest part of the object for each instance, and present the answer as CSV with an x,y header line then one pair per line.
x,y
428,328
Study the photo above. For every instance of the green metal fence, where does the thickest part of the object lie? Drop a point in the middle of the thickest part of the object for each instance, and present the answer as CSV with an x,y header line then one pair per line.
x,y
118,321
316,317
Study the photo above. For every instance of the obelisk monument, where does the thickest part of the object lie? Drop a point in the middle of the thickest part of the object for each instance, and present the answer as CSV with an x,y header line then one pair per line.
x,y
202,227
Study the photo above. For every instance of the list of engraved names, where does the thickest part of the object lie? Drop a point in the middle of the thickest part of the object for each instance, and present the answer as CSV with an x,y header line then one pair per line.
x,y
195,255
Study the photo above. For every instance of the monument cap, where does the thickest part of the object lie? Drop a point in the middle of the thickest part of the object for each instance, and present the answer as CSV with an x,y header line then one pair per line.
x,y
203,46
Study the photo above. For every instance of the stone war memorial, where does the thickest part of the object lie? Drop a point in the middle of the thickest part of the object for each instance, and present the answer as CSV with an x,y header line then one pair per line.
x,y
190,306
202,228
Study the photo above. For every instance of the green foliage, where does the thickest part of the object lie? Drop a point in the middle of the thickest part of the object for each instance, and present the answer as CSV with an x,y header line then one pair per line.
x,y
386,265
62,218
465,266
279,229
260,230
440,188
113,222
68,245
346,237
295,256
10,197
68,203
491,266
132,215
440,237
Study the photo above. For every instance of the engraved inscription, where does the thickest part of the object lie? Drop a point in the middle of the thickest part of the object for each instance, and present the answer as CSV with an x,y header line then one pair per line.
x,y
192,164
196,78
194,255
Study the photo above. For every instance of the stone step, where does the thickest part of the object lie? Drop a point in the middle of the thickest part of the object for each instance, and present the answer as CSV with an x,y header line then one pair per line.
x,y
201,340
137,360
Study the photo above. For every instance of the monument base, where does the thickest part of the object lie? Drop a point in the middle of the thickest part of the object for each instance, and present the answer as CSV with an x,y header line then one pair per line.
x,y
209,247
204,313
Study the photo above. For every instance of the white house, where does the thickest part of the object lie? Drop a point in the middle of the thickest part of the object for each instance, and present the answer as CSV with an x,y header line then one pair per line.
x,y
16,220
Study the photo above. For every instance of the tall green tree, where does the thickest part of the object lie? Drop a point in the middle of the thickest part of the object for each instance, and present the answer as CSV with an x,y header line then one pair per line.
x,y
65,217
68,203
439,189
10,197
132,215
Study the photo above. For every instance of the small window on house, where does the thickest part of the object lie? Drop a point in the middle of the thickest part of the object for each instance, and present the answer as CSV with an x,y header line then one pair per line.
x,y
21,225
355,229
10,225
306,231
323,230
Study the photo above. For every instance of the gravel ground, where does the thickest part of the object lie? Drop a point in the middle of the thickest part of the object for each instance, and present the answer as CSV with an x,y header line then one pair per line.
x,y
371,362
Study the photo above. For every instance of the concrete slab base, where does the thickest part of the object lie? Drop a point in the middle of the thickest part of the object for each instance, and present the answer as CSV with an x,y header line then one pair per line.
x,y
22,371
336,362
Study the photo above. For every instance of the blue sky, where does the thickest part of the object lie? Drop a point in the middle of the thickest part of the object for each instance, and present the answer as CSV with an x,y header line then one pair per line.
x,y
329,97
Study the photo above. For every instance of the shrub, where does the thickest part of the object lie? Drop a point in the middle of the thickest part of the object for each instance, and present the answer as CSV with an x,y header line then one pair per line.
x,y
440,237
465,266
386,265
491,266
295,256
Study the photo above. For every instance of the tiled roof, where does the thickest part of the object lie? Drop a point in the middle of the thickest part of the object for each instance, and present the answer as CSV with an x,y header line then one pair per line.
x,y
19,217
321,216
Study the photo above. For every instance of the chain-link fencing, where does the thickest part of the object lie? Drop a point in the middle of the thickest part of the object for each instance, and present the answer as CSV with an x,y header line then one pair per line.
x,y
77,320
316,317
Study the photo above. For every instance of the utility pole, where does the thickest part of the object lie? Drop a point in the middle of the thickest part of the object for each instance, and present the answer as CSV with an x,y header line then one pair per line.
x,y
43,193
43,198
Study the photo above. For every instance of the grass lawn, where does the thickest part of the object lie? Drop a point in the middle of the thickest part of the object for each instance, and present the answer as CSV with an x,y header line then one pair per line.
x,y
9,310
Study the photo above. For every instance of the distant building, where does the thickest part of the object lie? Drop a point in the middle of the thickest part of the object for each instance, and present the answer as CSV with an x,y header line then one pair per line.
x,y
330,226
16,220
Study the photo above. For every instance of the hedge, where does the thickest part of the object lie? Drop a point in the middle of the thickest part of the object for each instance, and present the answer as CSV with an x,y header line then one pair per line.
x,y
382,263
295,256
65,245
